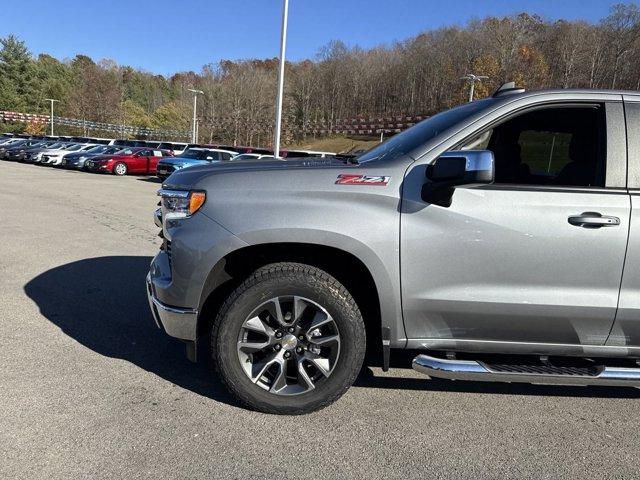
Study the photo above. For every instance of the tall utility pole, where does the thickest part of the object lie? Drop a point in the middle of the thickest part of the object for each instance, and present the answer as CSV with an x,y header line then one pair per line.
x,y
52,101
194,128
473,79
283,45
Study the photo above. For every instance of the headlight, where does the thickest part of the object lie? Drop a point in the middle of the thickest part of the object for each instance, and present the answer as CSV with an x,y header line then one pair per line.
x,y
181,203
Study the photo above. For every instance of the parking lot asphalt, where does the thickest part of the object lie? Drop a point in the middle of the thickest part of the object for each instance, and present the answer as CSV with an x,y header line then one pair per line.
x,y
89,388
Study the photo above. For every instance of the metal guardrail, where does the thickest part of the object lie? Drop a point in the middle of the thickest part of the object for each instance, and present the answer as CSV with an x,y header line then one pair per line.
x,y
349,126
12,117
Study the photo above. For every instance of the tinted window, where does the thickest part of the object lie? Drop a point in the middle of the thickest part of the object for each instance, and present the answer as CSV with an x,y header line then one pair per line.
x,y
193,153
546,152
562,146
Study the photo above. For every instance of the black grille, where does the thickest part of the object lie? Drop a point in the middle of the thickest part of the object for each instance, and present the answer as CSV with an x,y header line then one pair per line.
x,y
167,248
544,369
166,169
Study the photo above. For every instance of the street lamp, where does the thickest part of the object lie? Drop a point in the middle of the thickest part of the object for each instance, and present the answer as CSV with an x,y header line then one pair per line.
x,y
283,44
194,132
52,101
472,79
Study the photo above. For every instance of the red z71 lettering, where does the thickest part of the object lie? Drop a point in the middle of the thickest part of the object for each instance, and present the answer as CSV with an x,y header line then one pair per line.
x,y
351,179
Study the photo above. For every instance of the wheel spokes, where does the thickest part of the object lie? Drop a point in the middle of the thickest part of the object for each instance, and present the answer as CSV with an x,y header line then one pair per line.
x,y
253,346
319,319
259,369
280,381
288,344
325,339
302,373
257,325
321,363
299,307
275,310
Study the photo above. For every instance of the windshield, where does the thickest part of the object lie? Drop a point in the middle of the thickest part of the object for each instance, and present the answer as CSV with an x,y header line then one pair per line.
x,y
419,134
72,148
16,143
245,156
125,151
57,145
198,154
39,144
98,149
193,153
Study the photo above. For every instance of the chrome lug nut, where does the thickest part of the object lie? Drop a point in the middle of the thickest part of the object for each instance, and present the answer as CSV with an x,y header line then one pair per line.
x,y
301,337
290,329
299,350
278,334
287,354
277,346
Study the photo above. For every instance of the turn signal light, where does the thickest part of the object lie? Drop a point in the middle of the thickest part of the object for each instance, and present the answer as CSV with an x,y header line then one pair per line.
x,y
196,201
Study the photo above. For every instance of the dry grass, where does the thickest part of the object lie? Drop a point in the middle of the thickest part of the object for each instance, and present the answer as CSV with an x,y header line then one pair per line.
x,y
337,144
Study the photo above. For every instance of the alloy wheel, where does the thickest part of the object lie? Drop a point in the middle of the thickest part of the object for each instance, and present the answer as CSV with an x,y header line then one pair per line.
x,y
288,345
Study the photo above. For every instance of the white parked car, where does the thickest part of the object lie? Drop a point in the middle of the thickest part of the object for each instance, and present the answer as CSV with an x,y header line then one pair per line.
x,y
55,157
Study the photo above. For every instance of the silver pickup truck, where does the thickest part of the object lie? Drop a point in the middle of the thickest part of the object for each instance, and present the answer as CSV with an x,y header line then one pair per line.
x,y
499,239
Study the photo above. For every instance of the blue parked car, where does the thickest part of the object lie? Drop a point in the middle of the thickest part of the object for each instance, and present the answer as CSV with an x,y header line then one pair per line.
x,y
193,156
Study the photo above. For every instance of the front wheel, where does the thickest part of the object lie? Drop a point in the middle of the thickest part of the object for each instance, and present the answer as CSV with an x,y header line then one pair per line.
x,y
289,340
120,169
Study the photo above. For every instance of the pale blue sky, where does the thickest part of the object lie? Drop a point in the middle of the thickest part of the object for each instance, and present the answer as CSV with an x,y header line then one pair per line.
x,y
166,36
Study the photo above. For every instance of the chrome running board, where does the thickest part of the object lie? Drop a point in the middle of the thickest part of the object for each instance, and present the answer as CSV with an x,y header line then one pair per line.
x,y
483,372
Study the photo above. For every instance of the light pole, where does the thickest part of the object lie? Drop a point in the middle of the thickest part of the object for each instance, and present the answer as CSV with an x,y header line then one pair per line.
x,y
472,79
52,101
283,45
194,131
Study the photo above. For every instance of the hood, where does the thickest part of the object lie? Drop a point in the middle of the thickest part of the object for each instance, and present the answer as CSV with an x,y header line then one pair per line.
x,y
181,161
187,177
75,155
102,158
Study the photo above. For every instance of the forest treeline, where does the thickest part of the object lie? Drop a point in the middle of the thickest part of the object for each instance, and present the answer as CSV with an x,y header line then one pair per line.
x,y
420,75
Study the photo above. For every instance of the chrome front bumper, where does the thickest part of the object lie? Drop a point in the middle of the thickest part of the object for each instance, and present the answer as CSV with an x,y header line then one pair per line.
x,y
177,322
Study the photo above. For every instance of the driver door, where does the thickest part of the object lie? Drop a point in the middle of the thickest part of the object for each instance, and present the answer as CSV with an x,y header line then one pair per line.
x,y
504,263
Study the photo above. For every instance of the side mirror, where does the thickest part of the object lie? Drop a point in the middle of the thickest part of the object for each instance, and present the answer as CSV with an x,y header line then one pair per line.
x,y
453,169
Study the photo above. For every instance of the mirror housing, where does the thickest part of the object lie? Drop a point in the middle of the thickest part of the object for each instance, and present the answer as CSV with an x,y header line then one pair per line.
x,y
453,169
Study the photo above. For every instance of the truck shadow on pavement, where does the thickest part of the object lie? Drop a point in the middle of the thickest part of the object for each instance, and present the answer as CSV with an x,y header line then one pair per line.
x,y
101,303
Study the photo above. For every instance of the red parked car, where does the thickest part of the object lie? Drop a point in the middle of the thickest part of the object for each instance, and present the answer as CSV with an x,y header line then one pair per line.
x,y
128,160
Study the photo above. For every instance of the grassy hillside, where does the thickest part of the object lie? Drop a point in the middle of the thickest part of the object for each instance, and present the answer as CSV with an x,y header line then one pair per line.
x,y
337,144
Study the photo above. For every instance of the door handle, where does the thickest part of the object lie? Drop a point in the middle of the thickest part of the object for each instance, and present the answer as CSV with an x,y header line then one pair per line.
x,y
593,220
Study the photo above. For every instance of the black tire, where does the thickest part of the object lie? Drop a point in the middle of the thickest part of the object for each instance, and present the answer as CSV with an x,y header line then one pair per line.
x,y
282,279
122,167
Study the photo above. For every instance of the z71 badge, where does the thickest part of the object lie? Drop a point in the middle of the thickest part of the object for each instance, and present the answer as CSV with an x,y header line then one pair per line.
x,y
350,179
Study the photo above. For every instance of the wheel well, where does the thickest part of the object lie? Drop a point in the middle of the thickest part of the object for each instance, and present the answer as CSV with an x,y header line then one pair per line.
x,y
230,271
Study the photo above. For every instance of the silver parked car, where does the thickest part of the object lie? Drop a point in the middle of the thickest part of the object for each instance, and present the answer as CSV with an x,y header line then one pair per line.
x,y
501,238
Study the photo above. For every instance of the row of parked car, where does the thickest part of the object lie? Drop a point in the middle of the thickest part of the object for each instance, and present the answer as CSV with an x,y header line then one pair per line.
x,y
122,157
